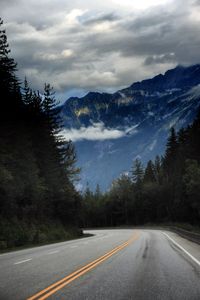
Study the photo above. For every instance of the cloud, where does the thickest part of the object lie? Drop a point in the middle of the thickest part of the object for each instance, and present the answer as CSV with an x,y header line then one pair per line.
x,y
160,59
102,18
152,145
97,131
99,45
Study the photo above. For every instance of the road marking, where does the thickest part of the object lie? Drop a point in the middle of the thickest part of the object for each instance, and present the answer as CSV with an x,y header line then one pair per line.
x,y
183,249
50,290
53,252
74,247
22,261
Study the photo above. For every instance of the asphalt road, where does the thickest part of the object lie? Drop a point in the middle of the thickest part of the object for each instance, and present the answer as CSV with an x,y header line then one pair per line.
x,y
113,264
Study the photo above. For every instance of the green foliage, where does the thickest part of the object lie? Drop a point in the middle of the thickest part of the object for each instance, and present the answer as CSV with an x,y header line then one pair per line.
x,y
150,173
37,166
168,190
16,233
137,172
191,181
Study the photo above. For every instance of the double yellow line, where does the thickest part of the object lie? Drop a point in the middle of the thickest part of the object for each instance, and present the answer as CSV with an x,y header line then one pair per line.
x,y
50,290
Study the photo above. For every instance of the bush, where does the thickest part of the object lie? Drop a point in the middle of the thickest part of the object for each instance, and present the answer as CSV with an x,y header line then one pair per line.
x,y
3,245
17,233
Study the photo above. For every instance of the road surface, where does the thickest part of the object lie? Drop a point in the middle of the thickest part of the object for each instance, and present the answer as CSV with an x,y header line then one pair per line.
x,y
113,264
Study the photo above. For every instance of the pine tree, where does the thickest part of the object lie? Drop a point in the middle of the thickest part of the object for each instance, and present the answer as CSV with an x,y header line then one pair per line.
x,y
158,169
35,172
97,192
68,159
137,172
194,140
191,181
149,175
49,104
171,154
8,82
27,94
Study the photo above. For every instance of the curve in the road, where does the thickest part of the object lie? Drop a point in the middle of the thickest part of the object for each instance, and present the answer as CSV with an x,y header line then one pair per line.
x,y
50,290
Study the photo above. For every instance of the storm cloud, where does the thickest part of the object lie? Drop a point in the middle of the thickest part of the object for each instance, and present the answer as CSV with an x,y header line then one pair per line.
x,y
101,46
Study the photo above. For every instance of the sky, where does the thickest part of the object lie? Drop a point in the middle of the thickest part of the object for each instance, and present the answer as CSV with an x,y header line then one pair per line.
x,y
102,45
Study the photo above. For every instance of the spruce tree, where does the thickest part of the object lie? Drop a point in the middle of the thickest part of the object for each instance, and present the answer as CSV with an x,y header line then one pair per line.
x,y
27,94
149,175
8,81
171,155
158,169
137,172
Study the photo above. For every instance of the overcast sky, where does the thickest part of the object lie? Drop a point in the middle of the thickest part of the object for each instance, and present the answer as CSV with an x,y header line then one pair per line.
x,y
100,45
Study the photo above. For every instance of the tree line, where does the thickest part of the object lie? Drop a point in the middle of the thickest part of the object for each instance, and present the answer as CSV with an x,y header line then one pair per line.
x,y
37,166
166,190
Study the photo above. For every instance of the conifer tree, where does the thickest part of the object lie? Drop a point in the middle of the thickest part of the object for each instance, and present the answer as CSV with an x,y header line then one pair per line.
x,y
8,82
171,154
158,169
149,175
68,159
27,94
49,104
137,172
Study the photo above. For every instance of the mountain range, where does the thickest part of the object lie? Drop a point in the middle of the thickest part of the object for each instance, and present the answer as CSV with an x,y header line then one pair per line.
x,y
111,130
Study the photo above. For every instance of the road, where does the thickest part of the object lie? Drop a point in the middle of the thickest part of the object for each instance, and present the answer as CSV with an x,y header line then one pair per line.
x,y
118,264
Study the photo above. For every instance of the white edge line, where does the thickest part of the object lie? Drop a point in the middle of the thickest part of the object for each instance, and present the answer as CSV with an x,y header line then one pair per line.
x,y
185,251
22,261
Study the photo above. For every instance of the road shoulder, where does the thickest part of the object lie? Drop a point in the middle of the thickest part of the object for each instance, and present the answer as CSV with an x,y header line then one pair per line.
x,y
190,247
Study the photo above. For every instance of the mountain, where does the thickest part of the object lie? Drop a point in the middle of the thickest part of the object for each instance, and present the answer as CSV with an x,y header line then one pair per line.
x,y
111,130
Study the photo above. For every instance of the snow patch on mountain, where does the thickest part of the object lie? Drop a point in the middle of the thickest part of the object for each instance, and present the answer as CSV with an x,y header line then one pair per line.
x,y
111,130
195,91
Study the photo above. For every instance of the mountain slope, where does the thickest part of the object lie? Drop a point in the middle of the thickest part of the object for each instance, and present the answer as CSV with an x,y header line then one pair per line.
x,y
110,130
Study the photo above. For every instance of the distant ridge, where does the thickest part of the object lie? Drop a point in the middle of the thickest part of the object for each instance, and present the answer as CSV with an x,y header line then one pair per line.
x,y
139,117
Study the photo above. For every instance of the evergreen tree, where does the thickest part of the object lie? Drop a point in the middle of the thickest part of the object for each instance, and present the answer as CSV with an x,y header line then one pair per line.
x,y
27,94
8,82
194,140
68,159
158,169
137,172
53,122
97,192
149,175
192,189
170,155
35,173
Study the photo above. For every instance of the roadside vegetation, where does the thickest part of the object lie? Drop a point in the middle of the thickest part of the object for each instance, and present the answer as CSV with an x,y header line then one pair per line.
x,y
38,201
166,191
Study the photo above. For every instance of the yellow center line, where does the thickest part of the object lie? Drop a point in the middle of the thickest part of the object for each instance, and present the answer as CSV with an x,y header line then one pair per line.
x,y
71,277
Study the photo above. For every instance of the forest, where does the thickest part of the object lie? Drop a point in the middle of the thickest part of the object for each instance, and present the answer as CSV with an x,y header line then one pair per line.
x,y
38,199
166,191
